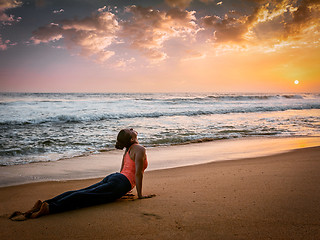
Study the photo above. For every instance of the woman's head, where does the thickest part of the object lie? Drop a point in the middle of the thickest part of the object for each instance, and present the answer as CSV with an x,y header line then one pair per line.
x,y
126,137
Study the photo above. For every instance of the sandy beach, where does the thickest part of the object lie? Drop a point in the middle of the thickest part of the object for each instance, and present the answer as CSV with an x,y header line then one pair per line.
x,y
269,197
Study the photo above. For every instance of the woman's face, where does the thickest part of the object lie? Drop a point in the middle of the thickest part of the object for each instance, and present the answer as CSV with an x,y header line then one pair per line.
x,y
133,134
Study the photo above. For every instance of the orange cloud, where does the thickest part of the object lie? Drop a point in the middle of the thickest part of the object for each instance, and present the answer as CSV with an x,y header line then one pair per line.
x,y
226,29
270,22
149,29
306,14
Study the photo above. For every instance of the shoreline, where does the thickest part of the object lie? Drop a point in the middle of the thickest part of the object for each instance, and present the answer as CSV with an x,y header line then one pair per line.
x,y
162,157
267,197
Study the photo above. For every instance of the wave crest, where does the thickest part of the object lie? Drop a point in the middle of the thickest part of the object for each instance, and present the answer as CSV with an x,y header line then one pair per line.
x,y
73,119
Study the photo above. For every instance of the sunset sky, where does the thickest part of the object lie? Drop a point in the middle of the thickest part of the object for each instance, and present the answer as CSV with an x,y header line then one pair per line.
x,y
159,46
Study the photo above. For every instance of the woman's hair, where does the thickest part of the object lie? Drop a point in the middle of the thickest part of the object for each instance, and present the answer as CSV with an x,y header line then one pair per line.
x,y
123,140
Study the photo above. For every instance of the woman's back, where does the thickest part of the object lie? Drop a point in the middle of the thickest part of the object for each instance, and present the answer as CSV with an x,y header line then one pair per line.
x,y
129,165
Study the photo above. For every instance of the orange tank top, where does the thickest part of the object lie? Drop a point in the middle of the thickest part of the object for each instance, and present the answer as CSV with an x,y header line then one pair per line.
x,y
129,168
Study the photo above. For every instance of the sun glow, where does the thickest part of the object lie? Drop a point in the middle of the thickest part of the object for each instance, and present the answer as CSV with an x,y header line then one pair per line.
x,y
296,82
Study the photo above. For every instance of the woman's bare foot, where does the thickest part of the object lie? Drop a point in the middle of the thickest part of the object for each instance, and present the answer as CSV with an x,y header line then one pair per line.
x,y
35,208
19,217
15,213
44,210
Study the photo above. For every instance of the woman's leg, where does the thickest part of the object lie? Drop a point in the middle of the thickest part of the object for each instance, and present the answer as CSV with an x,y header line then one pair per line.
x,y
65,194
44,210
111,188
36,207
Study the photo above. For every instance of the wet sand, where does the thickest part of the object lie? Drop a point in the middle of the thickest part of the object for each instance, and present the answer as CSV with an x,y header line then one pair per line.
x,y
269,197
100,165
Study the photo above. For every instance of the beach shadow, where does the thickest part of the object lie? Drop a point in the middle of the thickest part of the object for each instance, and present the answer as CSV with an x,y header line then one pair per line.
x,y
129,196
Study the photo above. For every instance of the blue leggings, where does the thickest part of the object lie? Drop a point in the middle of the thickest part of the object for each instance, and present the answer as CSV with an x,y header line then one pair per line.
x,y
112,187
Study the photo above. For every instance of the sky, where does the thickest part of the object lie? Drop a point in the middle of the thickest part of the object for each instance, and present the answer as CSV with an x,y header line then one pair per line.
x,y
160,46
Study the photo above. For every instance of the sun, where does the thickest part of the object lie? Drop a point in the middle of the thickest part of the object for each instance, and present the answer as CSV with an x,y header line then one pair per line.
x,y
296,82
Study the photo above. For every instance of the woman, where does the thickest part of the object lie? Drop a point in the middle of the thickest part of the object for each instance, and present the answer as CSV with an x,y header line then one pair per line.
x,y
112,187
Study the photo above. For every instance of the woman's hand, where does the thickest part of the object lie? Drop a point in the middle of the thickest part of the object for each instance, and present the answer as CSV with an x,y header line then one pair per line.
x,y
146,196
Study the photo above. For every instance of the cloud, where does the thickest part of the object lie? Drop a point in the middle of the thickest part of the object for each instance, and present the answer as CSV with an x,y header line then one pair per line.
x,y
90,36
149,29
160,34
226,29
6,19
6,4
307,14
270,21
5,44
146,31
102,9
58,11
45,34
286,20
104,55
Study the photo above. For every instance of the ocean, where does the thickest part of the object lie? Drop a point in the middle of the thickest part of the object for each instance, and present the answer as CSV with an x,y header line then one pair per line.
x,y
41,127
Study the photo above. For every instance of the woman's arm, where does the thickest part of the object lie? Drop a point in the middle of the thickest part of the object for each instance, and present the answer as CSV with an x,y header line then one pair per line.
x,y
122,163
139,158
139,161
